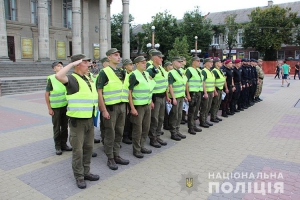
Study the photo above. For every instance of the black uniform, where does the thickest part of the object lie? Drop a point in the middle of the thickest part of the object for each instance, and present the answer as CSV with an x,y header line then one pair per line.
x,y
244,80
226,102
237,77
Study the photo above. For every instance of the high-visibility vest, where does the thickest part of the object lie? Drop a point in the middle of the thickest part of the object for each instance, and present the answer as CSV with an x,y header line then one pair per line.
x,y
183,74
179,84
58,94
200,72
195,82
115,91
93,78
221,80
161,79
142,92
82,103
210,81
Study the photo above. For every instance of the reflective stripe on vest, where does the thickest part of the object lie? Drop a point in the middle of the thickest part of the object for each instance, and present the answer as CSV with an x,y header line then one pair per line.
x,y
179,84
142,93
82,103
221,80
183,74
210,81
195,82
161,80
58,94
115,91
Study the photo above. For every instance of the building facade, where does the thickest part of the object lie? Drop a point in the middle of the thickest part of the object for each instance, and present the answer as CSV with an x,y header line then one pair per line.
x,y
45,30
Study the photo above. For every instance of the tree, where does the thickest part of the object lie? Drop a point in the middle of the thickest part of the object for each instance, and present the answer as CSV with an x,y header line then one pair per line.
x,y
166,29
268,29
116,30
194,24
181,48
231,30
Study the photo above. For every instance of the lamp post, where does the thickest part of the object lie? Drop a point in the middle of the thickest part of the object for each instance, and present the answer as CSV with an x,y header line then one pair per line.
x,y
153,31
196,43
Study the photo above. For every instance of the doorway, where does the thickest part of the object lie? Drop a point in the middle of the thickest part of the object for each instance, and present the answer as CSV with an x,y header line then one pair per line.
x,y
11,48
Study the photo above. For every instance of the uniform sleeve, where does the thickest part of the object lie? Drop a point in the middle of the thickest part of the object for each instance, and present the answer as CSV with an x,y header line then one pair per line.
x,y
171,79
49,86
150,71
101,80
215,74
132,81
188,74
204,75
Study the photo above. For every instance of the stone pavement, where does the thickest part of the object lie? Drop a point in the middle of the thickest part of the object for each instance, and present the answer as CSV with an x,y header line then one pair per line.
x,y
253,152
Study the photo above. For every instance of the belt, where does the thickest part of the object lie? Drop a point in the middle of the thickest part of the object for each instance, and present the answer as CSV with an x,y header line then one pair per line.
x,y
142,105
160,95
237,83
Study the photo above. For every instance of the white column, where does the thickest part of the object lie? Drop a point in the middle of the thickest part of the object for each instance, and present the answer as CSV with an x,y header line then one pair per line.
x,y
108,25
76,27
3,35
85,30
125,31
43,30
103,28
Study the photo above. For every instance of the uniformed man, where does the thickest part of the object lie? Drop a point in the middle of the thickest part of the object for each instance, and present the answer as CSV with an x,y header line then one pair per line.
x,y
177,86
219,86
244,80
56,101
183,70
253,64
150,61
140,99
209,90
229,89
159,98
236,73
82,106
113,91
105,62
167,66
260,75
127,134
194,90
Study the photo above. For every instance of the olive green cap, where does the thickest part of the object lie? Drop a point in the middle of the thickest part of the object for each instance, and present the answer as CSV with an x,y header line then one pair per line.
x,y
126,62
139,59
78,57
112,51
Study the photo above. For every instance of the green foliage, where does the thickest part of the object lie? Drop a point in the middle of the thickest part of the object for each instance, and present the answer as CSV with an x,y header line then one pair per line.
x,y
231,30
194,24
181,48
268,29
166,29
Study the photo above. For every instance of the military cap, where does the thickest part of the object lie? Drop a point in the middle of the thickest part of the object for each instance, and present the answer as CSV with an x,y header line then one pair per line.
x,y
244,60
151,51
216,60
237,60
253,60
139,59
207,60
112,51
78,57
259,60
126,62
167,64
157,53
195,58
103,60
182,57
177,58
227,61
56,63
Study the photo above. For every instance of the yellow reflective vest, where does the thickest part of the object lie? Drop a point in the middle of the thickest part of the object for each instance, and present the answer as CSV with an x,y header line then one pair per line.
x,y
221,80
195,82
58,94
179,84
210,81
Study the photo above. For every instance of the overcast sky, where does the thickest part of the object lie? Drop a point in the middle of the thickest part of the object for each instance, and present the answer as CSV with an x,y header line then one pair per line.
x,y
142,10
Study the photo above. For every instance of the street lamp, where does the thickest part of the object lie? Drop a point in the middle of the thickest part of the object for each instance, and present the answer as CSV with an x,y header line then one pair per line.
x,y
196,43
153,30
196,52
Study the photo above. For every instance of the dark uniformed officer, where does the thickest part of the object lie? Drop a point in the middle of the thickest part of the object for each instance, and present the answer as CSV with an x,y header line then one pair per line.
x,y
113,91
140,99
208,92
177,95
230,87
244,79
159,75
253,65
82,106
194,86
219,84
238,86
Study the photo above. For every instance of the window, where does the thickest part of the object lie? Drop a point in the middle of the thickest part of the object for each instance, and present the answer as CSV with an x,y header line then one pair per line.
x,y
297,54
33,7
280,55
253,55
67,13
216,39
241,55
240,38
10,10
